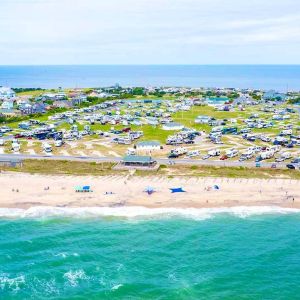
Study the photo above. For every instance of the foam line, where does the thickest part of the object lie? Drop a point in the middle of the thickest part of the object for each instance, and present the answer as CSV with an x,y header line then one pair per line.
x,y
141,212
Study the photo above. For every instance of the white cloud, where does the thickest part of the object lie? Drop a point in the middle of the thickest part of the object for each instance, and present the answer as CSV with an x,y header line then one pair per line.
x,y
143,31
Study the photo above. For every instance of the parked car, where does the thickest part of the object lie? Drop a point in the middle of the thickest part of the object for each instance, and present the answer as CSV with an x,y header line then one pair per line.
x,y
173,155
224,157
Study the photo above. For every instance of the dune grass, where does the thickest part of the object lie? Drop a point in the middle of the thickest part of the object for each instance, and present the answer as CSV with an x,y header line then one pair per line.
x,y
63,167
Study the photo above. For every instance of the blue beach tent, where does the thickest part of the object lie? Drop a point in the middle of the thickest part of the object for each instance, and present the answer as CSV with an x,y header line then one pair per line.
x,y
149,190
81,189
177,190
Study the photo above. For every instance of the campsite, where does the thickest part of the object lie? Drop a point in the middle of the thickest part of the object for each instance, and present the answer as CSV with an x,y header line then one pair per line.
x,y
243,128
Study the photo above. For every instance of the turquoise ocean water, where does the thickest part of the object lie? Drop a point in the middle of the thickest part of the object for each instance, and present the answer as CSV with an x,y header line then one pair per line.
x,y
198,256
278,77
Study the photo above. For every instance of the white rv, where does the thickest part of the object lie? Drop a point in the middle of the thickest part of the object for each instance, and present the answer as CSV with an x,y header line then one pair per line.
x,y
232,153
15,147
214,152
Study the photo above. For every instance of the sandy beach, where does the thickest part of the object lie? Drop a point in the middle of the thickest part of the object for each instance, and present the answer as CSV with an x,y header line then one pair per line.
x,y
20,190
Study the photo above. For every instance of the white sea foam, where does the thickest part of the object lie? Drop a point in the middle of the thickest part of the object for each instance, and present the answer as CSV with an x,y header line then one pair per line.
x,y
74,276
13,284
116,287
137,212
65,254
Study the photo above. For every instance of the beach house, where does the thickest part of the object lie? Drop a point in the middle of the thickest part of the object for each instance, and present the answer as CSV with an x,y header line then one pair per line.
x,y
7,105
6,93
273,95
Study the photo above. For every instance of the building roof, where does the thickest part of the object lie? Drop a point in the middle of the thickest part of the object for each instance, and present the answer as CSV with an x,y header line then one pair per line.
x,y
148,143
137,159
173,124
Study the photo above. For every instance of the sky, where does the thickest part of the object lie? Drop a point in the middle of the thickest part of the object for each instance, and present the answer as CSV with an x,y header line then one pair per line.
x,y
34,32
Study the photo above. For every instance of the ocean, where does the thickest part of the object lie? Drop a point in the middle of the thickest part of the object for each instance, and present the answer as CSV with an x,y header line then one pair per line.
x,y
243,253
278,77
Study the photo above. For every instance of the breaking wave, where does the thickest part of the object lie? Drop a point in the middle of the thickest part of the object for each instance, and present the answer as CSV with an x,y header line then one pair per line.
x,y
138,212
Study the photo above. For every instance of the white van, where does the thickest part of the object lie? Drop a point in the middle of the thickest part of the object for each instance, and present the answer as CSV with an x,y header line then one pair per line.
x,y
58,143
15,147
47,148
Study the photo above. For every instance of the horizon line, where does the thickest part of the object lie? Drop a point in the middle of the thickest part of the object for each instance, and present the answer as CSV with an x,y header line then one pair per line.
x,y
144,65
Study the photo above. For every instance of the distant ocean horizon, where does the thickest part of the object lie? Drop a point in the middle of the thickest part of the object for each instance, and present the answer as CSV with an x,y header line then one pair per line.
x,y
278,77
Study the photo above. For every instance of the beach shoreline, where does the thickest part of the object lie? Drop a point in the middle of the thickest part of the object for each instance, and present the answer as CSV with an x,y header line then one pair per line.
x,y
22,190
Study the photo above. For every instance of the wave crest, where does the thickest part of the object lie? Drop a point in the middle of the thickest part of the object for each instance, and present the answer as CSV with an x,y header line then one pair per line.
x,y
132,212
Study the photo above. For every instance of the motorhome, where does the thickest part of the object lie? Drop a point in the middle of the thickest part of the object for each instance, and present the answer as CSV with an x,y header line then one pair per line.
x,y
284,156
126,140
15,146
232,153
276,148
214,152
267,154
246,155
193,153
286,132
179,151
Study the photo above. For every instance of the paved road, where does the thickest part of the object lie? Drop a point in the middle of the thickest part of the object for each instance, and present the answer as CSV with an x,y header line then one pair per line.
x,y
161,161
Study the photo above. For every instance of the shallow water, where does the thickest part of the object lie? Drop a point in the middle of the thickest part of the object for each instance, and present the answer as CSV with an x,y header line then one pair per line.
x,y
221,255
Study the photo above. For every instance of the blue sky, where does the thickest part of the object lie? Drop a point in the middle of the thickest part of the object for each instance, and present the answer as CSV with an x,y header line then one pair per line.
x,y
149,32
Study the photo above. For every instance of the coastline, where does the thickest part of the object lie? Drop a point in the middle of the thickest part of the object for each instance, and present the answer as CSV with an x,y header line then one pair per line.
x,y
24,191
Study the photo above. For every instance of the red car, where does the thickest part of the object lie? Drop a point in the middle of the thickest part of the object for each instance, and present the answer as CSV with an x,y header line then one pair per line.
x,y
127,129
223,157
18,136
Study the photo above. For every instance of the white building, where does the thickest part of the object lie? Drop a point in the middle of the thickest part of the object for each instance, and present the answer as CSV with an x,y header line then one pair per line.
x,y
148,145
6,93
172,126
